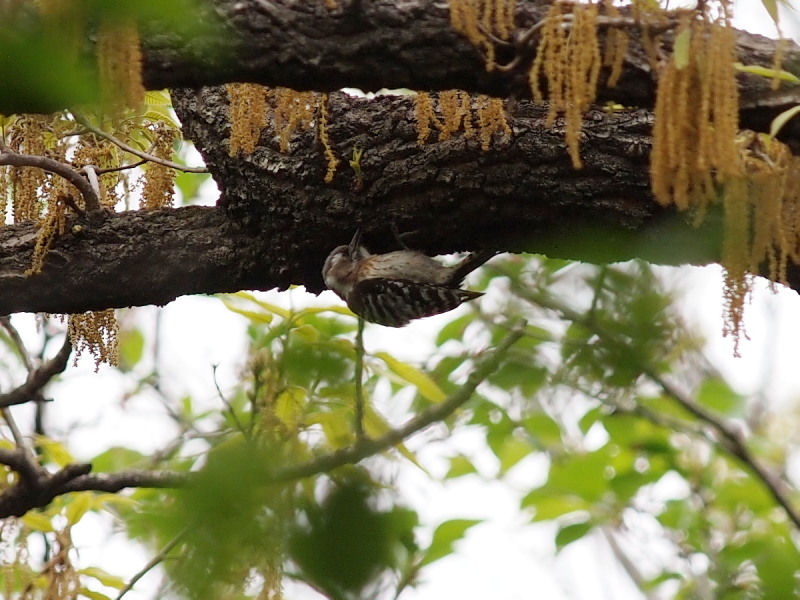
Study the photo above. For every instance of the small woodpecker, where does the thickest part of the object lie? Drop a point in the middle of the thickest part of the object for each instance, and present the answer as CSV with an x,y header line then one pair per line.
x,y
394,288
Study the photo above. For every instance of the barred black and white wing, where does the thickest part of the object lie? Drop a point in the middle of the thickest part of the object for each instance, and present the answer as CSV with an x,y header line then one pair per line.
x,y
395,302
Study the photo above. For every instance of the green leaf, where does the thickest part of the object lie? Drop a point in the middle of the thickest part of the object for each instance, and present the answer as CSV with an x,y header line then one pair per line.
x,y
716,394
445,536
107,579
37,522
54,451
571,533
116,459
548,507
680,50
512,451
92,595
772,8
271,308
460,465
583,474
426,386
767,72
80,503
454,330
783,118
541,427
336,426
251,315
290,407
131,348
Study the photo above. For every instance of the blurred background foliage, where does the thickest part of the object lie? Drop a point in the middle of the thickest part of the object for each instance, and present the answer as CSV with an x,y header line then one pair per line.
x,y
635,437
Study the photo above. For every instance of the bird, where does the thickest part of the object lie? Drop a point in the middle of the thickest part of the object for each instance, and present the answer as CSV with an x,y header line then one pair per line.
x,y
394,288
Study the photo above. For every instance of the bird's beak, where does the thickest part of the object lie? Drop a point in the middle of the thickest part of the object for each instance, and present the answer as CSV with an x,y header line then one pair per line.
x,y
355,243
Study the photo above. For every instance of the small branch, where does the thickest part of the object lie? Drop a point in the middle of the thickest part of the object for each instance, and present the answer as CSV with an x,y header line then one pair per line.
x,y
31,390
158,558
228,405
131,150
366,447
132,165
14,159
359,375
632,570
733,444
16,434
5,323
91,175
38,489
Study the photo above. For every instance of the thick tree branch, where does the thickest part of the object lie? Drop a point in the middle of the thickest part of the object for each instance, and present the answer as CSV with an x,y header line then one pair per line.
x,y
387,45
11,158
278,219
129,259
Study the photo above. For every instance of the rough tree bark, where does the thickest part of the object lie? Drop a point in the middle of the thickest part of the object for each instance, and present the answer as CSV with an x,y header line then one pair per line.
x,y
277,219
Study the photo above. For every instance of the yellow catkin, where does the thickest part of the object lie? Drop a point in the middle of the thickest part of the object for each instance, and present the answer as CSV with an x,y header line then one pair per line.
x,y
5,193
330,155
725,100
96,333
491,120
569,60
59,576
696,117
50,228
583,69
159,180
293,111
617,41
791,210
119,57
423,108
248,116
28,135
99,152
477,20
698,155
455,111
466,107
459,113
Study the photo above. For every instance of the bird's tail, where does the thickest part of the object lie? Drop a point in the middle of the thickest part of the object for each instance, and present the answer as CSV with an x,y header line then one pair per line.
x,y
469,264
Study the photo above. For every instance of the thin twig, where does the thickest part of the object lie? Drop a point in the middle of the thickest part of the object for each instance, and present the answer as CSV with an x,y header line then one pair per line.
x,y
733,444
16,434
359,375
158,558
132,165
639,580
227,404
22,351
131,150
38,378
365,447
14,159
